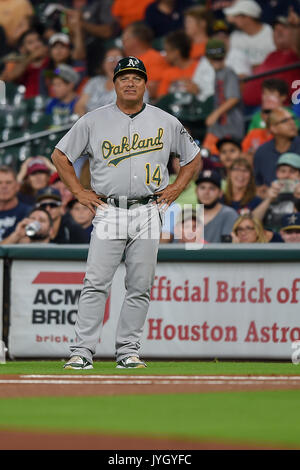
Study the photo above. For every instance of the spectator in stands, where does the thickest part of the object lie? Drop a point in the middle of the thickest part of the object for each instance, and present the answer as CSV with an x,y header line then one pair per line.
x,y
137,41
204,76
100,90
65,229
227,117
253,37
248,229
189,228
240,193
282,197
81,215
285,54
28,67
33,175
236,59
258,132
43,235
62,52
271,10
97,24
177,46
290,228
130,11
61,106
11,209
274,93
166,16
229,150
65,193
14,15
218,218
202,82
281,124
197,25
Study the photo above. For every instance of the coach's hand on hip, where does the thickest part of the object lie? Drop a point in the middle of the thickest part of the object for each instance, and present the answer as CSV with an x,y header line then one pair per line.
x,y
185,175
67,174
168,195
90,199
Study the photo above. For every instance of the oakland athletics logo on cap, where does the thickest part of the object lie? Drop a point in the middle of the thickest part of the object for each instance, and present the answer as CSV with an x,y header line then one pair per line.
x,y
130,64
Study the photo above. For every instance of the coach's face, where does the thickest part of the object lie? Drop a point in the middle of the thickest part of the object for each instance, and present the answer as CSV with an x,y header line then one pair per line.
x,y
130,87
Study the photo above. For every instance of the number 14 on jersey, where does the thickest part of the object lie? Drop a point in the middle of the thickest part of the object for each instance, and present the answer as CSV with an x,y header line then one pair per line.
x,y
154,177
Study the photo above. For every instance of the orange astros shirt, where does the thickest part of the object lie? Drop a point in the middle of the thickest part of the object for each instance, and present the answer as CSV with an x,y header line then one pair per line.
x,y
155,63
255,138
173,74
198,50
129,11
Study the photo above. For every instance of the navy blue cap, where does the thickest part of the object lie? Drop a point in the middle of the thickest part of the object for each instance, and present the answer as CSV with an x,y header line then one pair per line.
x,y
48,193
290,221
210,176
228,140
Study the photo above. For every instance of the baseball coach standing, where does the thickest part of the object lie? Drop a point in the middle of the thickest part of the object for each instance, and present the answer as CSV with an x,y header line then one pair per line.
x,y
129,144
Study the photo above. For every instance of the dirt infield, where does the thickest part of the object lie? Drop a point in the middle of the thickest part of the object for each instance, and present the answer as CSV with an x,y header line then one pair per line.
x,y
11,440
91,385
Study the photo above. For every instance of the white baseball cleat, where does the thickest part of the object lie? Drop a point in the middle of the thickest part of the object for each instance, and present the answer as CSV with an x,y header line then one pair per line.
x,y
132,362
78,362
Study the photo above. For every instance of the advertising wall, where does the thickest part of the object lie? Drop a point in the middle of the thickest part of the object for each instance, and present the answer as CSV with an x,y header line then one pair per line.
x,y
44,298
197,310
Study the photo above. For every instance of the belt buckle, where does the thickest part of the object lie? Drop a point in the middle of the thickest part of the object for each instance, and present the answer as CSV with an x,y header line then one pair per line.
x,y
132,203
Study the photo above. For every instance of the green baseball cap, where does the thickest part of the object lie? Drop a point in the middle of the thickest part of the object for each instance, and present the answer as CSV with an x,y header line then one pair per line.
x,y
130,64
215,49
290,159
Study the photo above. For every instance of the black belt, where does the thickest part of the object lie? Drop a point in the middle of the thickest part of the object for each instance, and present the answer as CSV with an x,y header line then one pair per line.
x,y
127,203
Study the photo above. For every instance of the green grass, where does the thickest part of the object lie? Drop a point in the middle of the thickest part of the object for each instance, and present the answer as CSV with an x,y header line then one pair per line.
x,y
157,367
271,417
268,417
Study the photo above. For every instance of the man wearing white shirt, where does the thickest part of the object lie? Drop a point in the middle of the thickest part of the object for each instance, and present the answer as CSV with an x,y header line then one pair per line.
x,y
252,36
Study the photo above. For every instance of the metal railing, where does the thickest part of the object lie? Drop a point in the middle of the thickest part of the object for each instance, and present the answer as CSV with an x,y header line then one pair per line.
x,y
37,135
285,68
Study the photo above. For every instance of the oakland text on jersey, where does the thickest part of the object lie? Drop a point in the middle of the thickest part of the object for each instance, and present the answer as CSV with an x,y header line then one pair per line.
x,y
137,145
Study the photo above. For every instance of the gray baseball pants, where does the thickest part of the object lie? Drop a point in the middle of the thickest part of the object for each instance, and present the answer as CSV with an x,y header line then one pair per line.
x,y
134,233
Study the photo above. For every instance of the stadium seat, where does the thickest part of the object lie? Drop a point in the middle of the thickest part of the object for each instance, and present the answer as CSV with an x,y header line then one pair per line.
x,y
14,93
190,111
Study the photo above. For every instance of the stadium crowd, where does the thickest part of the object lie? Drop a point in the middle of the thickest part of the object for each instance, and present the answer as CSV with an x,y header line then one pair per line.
x,y
228,70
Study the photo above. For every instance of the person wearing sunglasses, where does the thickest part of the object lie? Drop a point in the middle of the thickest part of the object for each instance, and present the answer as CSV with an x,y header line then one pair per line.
x,y
65,229
260,133
281,124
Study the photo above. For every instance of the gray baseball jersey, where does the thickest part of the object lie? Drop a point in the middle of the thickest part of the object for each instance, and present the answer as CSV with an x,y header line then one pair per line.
x,y
128,155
